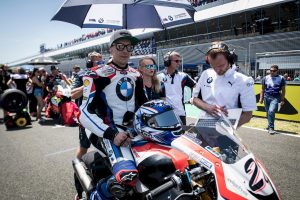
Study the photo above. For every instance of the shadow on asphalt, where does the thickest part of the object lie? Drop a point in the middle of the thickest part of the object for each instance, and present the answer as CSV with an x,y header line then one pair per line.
x,y
19,129
49,122
287,132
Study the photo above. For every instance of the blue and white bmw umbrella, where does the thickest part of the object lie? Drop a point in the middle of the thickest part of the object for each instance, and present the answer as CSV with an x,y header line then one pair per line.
x,y
126,14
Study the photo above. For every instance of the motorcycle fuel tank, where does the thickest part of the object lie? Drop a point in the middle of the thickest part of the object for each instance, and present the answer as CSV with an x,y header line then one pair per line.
x,y
156,162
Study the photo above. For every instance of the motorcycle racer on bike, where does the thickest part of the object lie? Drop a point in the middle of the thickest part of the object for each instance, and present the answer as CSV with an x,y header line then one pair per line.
x,y
109,93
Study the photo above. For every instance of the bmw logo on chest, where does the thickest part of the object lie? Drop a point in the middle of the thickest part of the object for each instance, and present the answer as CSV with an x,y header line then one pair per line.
x,y
124,89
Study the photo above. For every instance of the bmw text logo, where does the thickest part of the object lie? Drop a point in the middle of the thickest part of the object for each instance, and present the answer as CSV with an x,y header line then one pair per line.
x,y
101,20
125,89
209,80
170,18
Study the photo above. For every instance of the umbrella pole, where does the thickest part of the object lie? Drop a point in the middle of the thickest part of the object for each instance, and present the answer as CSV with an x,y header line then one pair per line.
x,y
125,16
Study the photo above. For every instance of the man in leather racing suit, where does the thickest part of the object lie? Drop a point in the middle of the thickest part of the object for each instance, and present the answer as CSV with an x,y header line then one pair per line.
x,y
109,93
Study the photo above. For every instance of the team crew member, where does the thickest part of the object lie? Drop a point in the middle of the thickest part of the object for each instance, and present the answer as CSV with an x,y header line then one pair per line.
x,y
272,93
175,82
76,93
222,87
55,78
110,93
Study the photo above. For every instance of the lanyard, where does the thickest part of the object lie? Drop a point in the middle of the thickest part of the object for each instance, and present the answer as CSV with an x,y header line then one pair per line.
x,y
146,93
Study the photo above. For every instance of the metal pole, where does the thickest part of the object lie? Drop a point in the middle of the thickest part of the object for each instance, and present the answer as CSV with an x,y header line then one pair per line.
x,y
249,58
158,61
182,64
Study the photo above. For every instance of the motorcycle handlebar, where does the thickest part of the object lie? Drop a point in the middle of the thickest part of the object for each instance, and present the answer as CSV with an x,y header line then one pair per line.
x,y
174,182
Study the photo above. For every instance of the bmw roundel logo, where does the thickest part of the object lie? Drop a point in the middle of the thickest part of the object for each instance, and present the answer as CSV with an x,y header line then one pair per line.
x,y
101,20
125,89
170,18
209,80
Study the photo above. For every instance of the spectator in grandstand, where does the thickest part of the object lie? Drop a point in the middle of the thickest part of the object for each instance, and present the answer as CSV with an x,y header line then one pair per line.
x,y
77,91
272,95
153,87
221,87
175,82
4,78
38,92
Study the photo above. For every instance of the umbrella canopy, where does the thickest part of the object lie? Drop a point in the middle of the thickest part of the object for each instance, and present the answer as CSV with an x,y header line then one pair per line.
x,y
43,61
118,14
169,3
27,67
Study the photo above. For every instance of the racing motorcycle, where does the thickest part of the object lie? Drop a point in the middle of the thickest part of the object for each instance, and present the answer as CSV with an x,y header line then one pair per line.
x,y
61,106
207,161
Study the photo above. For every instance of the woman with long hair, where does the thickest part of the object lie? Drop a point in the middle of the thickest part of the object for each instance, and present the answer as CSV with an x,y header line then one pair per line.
x,y
38,92
153,88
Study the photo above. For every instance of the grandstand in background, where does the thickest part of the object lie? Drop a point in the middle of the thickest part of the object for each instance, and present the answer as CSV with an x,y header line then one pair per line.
x,y
262,33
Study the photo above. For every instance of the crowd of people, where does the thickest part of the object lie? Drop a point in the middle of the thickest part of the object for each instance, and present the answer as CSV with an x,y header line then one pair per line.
x,y
197,3
36,84
287,77
108,93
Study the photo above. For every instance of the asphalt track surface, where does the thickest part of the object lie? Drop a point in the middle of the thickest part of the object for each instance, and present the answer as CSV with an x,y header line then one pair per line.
x,y
35,163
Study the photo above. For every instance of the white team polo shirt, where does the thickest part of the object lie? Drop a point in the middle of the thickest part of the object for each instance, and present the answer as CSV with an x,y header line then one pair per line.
x,y
232,89
174,87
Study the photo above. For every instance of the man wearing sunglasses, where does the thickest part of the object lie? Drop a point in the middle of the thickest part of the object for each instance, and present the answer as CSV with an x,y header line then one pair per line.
x,y
110,94
175,82
272,94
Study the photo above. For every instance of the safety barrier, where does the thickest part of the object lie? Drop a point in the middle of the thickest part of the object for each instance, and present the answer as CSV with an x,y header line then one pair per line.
x,y
289,111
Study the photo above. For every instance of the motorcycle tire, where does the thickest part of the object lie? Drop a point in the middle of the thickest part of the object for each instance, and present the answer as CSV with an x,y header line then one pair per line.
x,y
13,100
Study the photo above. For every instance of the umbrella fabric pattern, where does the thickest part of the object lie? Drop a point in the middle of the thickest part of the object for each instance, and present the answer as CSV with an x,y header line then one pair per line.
x,y
140,14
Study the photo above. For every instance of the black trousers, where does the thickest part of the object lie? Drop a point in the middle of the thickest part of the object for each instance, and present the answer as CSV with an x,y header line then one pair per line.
x,y
183,120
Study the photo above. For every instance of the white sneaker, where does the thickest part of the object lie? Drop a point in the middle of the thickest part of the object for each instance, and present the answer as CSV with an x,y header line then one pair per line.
x,y
271,131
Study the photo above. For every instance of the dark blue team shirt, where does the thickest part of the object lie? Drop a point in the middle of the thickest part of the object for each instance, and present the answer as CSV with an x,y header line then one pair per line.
x,y
273,85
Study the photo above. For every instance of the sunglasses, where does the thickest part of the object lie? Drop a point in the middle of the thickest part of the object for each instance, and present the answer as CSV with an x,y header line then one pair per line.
x,y
177,61
151,67
121,47
273,70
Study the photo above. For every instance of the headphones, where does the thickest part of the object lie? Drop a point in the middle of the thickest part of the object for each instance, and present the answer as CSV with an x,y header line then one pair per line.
x,y
167,59
230,55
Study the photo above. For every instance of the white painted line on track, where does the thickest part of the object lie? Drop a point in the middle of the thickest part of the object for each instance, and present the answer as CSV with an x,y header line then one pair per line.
x,y
277,132
60,152
58,126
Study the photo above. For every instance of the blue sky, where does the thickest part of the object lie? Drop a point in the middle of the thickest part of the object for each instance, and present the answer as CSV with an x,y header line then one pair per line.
x,y
25,24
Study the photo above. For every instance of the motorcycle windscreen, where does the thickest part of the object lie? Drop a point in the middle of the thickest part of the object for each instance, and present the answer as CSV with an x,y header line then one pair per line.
x,y
167,119
216,137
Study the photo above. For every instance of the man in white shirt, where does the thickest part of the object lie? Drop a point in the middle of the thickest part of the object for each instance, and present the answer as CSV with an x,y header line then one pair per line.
x,y
222,87
175,82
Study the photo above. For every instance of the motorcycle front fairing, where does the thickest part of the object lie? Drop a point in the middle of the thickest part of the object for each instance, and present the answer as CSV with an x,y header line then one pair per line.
x,y
238,174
